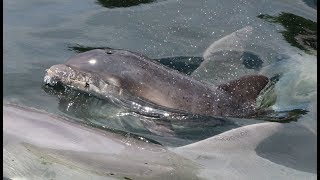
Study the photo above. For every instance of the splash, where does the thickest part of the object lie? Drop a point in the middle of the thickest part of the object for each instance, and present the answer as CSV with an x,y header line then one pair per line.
x,y
297,84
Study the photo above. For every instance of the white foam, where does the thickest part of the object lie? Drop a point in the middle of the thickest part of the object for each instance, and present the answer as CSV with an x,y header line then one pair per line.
x,y
298,83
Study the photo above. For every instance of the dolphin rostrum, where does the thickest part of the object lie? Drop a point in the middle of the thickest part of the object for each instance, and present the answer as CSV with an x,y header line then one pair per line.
x,y
129,75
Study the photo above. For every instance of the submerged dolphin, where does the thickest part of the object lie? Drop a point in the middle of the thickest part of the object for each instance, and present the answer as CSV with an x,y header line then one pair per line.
x,y
128,75
39,145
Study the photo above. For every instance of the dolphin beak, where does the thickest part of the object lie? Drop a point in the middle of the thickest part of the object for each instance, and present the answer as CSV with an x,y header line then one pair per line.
x,y
58,73
51,80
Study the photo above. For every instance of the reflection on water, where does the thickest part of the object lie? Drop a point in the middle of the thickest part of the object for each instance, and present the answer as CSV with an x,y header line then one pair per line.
x,y
173,129
299,32
122,3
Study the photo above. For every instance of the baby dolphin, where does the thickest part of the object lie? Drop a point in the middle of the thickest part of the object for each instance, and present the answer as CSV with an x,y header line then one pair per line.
x,y
129,75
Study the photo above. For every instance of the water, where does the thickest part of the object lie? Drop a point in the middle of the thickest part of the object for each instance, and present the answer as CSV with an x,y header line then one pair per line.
x,y
40,34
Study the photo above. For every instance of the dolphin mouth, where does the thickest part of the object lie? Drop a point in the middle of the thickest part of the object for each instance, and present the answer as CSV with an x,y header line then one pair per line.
x,y
51,80
65,75
59,73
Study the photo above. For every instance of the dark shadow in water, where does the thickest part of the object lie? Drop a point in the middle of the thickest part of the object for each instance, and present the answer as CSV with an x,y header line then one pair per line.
x,y
251,61
299,32
122,3
183,64
282,116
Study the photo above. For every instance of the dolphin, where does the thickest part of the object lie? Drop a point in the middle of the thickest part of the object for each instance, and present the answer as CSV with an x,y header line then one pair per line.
x,y
126,75
40,145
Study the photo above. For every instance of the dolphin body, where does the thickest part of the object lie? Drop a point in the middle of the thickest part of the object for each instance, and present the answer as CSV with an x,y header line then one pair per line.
x,y
122,74
39,145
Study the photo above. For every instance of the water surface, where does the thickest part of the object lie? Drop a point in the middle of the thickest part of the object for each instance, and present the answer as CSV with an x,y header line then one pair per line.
x,y
39,34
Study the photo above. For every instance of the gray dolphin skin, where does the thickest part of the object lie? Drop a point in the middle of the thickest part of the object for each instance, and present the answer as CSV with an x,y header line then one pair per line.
x,y
39,145
128,75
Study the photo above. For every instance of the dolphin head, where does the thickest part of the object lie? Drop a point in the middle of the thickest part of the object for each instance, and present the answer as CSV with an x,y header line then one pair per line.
x,y
89,72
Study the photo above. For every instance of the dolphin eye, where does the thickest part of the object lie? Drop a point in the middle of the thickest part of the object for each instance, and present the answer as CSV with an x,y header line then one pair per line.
x,y
87,85
109,52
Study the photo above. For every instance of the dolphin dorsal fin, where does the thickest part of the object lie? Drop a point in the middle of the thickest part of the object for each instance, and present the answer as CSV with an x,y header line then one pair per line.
x,y
246,88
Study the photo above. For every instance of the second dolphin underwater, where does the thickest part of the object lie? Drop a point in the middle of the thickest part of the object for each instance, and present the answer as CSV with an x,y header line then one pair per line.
x,y
127,75
39,145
